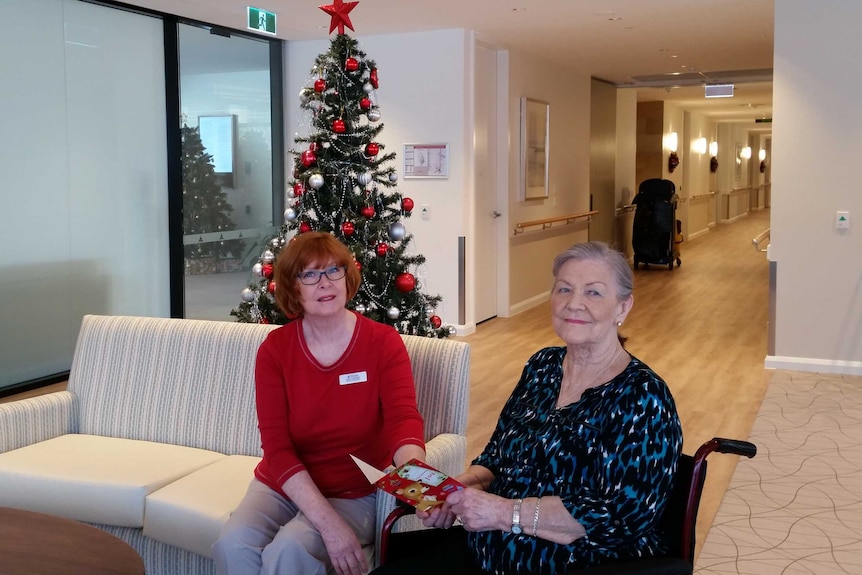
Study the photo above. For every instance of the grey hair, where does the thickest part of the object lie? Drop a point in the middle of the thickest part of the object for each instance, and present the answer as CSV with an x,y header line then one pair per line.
x,y
623,277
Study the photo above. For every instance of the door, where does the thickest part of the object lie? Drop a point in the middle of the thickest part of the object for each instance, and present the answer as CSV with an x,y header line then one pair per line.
x,y
487,213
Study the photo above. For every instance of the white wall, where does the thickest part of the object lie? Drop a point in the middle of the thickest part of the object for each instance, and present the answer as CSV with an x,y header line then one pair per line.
x,y
423,98
531,253
694,211
815,172
627,126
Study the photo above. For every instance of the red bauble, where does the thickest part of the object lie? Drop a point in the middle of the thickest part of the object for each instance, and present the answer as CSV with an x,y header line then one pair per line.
x,y
373,79
338,126
308,158
266,270
365,104
382,249
351,65
407,204
367,211
405,282
358,265
304,227
270,287
372,149
436,322
319,85
298,189
347,228
264,320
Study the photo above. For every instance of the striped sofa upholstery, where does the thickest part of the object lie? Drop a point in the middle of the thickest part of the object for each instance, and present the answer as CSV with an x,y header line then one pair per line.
x,y
190,383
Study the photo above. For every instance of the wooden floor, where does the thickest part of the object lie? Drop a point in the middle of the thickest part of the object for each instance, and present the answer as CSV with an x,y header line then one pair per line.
x,y
702,327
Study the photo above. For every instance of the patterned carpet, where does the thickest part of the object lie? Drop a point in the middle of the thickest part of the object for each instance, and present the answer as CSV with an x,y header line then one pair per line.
x,y
796,508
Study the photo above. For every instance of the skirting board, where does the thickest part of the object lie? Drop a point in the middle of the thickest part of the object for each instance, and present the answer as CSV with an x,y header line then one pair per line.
x,y
813,365
529,303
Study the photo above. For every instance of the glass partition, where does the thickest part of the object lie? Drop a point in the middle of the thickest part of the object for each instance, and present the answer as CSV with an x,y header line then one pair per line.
x,y
225,101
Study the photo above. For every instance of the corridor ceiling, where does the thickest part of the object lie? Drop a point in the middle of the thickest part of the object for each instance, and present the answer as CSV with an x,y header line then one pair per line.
x,y
666,49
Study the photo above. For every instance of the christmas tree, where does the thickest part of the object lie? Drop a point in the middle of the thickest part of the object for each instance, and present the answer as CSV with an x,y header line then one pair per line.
x,y
343,183
205,207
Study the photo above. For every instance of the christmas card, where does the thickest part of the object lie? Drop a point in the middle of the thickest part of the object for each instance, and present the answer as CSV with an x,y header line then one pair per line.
x,y
415,482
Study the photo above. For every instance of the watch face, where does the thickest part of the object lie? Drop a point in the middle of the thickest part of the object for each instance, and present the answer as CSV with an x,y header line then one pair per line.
x,y
517,529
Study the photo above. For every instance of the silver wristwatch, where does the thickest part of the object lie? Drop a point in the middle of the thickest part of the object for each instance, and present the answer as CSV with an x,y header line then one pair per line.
x,y
516,518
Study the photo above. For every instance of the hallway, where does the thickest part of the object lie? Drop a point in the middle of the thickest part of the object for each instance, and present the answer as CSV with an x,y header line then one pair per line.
x,y
702,327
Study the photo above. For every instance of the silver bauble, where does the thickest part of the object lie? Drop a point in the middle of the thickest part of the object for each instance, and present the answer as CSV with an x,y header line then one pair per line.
x,y
360,308
267,257
429,309
290,193
247,295
367,88
393,177
397,231
275,242
451,329
304,94
257,269
393,312
373,114
289,215
315,181
364,178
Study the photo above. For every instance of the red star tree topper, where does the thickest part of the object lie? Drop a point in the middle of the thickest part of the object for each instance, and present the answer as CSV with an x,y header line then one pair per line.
x,y
340,12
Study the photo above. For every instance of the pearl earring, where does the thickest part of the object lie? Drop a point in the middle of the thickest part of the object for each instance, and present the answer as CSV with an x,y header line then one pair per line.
x,y
619,323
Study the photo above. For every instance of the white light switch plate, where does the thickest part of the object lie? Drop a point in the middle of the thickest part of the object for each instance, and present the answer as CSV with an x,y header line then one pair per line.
x,y
842,220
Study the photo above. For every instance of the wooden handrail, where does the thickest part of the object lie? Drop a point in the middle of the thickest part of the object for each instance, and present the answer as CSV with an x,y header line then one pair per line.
x,y
548,222
761,237
701,196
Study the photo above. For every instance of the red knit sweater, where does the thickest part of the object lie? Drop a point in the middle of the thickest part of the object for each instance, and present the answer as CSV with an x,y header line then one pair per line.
x,y
313,417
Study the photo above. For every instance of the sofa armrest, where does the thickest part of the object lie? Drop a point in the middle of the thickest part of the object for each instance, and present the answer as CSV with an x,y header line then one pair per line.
x,y
445,452
36,419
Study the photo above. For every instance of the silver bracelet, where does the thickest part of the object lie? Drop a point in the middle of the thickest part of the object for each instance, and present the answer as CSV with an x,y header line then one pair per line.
x,y
536,517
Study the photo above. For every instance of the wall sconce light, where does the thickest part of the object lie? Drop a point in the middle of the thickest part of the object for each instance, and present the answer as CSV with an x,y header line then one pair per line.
x,y
713,161
671,143
762,155
745,153
699,146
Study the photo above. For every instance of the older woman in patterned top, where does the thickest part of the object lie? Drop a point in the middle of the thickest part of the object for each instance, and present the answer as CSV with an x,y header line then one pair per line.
x,y
581,463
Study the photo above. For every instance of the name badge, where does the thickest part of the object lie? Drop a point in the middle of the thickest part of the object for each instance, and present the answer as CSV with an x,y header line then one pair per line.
x,y
351,378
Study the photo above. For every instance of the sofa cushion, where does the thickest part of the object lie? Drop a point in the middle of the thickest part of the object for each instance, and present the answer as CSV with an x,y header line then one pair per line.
x,y
93,478
190,512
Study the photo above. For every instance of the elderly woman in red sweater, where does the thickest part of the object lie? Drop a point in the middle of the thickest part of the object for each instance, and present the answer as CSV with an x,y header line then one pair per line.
x,y
330,384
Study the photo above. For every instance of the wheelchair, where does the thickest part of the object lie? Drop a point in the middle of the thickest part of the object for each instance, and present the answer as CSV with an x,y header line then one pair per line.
x,y
679,519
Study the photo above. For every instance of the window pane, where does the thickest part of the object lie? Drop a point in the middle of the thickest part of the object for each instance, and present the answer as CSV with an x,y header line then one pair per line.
x,y
83,227
227,165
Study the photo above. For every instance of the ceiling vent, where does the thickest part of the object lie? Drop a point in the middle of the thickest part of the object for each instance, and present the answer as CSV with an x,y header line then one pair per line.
x,y
718,90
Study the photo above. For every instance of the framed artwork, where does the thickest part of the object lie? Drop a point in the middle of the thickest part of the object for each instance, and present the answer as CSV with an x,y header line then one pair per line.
x,y
535,140
426,160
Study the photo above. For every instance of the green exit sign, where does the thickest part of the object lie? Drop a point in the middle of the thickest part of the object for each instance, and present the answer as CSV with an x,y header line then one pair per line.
x,y
261,20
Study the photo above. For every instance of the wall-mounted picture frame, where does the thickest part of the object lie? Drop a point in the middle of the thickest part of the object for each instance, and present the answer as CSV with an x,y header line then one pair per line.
x,y
426,160
535,142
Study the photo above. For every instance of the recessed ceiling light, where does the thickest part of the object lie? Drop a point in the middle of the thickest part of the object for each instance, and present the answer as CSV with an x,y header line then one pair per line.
x,y
519,9
615,19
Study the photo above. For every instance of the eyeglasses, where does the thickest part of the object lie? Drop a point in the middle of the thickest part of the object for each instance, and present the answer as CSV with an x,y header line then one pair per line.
x,y
312,277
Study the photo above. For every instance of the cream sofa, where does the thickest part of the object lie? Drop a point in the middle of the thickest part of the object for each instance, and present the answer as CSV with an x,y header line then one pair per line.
x,y
155,438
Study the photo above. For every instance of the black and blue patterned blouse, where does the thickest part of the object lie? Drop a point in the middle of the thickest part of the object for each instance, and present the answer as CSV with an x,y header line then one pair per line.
x,y
610,457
